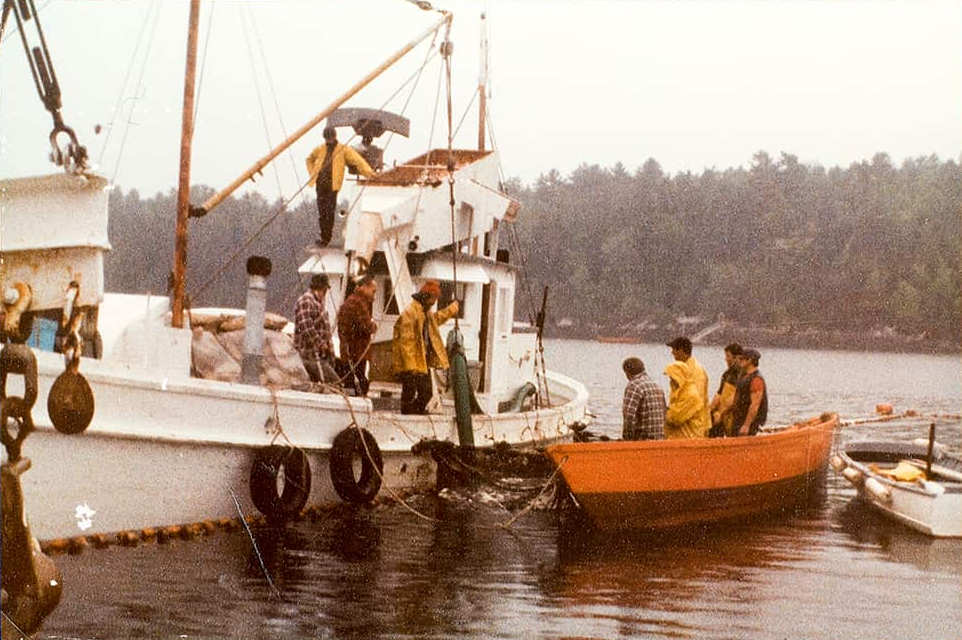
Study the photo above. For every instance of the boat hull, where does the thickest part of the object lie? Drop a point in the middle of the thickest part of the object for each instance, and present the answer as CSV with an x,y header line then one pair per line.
x,y
931,507
665,483
172,452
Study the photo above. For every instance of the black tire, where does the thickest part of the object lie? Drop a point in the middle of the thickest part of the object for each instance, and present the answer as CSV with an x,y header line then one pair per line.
x,y
347,448
269,463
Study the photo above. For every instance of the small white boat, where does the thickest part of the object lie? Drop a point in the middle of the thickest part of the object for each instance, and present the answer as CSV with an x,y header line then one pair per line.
x,y
898,479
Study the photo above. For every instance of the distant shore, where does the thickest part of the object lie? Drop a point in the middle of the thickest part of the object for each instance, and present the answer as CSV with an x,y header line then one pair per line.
x,y
790,338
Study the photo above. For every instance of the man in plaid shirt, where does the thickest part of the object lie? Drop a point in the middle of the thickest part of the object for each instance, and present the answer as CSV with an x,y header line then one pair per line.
x,y
644,405
312,332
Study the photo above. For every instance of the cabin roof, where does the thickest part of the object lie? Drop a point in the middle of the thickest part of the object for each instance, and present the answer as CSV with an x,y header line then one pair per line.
x,y
429,167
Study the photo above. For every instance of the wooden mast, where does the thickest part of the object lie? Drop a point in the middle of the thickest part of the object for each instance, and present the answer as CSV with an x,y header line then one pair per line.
x,y
183,186
483,84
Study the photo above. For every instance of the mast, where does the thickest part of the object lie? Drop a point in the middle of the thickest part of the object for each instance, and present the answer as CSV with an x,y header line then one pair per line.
x,y
483,84
183,186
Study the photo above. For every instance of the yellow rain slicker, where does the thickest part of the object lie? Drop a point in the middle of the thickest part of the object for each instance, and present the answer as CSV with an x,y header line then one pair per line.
x,y
408,348
342,154
687,415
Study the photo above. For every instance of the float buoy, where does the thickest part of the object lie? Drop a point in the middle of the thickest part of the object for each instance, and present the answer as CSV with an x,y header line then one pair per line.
x,y
347,450
280,482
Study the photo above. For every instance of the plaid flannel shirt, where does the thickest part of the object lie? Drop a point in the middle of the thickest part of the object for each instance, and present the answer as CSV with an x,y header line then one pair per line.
x,y
643,409
312,329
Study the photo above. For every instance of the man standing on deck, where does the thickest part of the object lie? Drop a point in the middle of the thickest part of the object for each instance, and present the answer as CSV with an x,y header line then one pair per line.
x,y
687,415
643,408
312,332
721,404
417,346
355,327
751,395
325,165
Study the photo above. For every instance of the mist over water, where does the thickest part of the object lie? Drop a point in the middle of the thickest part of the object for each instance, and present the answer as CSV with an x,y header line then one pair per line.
x,y
828,569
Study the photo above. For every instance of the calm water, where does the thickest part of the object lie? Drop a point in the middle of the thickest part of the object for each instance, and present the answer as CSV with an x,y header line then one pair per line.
x,y
829,570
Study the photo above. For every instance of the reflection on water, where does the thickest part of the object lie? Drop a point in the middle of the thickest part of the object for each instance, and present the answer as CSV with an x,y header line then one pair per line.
x,y
829,568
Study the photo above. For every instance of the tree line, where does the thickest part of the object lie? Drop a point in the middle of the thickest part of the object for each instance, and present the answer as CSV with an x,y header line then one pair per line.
x,y
778,244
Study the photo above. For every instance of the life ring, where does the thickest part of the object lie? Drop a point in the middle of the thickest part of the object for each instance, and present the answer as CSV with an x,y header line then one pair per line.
x,y
347,449
271,464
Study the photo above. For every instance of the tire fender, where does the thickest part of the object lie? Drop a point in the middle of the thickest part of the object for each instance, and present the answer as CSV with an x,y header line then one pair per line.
x,y
270,464
347,448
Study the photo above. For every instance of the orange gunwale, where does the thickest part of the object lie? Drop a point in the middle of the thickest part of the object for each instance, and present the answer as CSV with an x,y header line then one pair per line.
x,y
697,464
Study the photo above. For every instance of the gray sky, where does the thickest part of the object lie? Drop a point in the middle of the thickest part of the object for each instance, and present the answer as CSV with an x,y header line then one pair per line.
x,y
692,84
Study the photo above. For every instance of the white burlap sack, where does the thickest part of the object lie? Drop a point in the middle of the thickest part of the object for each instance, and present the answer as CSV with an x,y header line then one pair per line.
x,y
210,360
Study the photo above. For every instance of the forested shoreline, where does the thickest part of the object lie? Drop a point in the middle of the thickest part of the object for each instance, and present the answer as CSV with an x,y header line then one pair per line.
x,y
800,255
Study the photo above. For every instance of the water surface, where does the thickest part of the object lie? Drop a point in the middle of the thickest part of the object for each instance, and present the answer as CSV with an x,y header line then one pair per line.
x,y
828,569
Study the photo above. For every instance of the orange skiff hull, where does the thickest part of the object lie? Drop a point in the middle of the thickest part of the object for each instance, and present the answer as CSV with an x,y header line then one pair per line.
x,y
664,483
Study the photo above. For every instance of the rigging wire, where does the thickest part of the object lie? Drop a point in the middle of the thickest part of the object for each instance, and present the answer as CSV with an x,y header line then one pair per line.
x,y
467,110
260,99
273,91
203,61
10,35
123,87
138,93
455,245
283,206
429,55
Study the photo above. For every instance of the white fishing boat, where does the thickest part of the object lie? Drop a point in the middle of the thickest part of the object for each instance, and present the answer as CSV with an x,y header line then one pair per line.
x,y
167,451
911,482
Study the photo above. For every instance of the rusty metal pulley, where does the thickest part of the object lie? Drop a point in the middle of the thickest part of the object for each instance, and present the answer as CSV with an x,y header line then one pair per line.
x,y
70,403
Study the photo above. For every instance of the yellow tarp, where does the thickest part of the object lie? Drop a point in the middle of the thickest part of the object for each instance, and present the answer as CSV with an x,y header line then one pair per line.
x,y
904,472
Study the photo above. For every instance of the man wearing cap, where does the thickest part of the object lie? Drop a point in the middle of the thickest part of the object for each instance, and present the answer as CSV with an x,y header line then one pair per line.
x,y
721,404
355,326
643,408
325,166
417,346
312,332
751,395
687,415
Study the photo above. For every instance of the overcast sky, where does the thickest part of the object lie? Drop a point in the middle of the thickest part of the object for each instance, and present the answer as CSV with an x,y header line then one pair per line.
x,y
692,84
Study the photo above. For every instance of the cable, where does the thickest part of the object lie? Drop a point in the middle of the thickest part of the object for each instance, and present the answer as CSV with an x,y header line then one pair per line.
x,y
123,86
260,99
138,94
203,61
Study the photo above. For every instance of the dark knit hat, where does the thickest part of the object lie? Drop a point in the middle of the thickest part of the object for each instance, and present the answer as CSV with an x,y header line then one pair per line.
x,y
320,281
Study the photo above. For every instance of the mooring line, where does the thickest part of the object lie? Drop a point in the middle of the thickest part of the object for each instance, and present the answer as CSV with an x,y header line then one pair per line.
x,y
257,551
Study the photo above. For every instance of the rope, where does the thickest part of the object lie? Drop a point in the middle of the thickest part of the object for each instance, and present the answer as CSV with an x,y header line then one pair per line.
x,y
455,248
510,522
370,458
257,551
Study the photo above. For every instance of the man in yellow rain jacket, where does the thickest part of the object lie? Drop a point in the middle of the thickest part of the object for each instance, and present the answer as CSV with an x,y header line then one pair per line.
x,y
325,165
687,415
417,346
